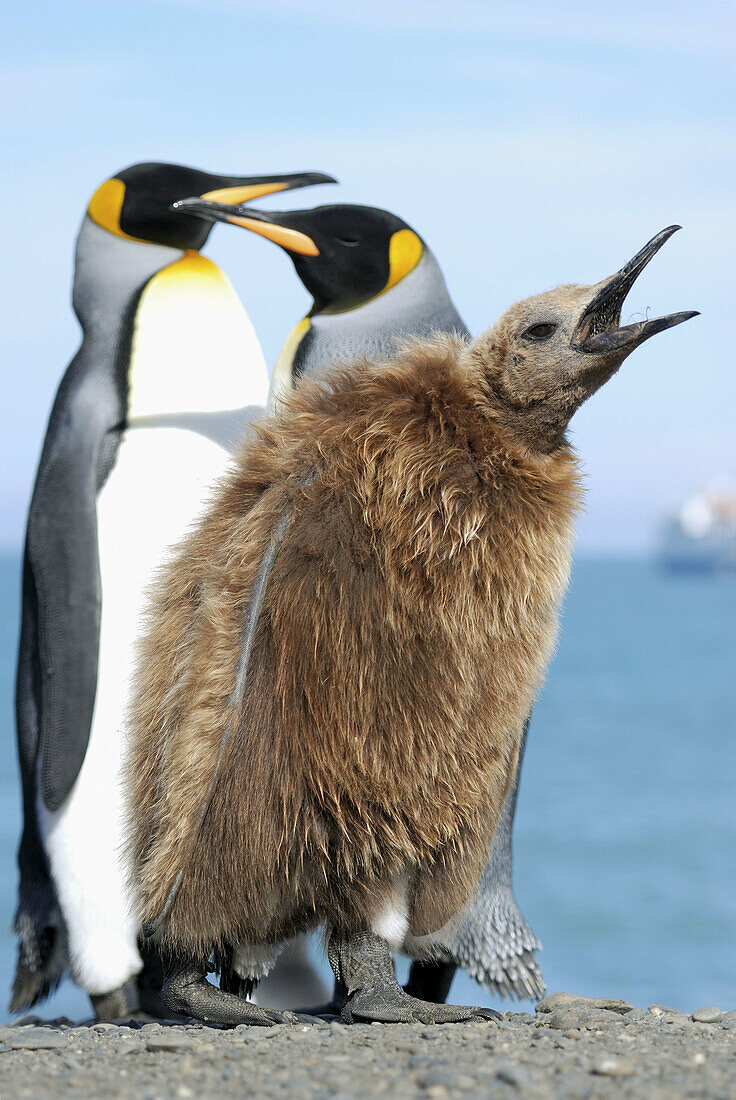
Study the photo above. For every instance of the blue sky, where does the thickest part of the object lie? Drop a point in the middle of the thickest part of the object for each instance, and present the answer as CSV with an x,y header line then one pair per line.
x,y
531,144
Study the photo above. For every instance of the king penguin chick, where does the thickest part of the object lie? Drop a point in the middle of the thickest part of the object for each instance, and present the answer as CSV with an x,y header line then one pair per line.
x,y
376,283
168,373
334,747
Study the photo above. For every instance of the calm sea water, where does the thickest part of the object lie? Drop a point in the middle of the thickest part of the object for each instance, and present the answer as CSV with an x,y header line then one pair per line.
x,y
625,845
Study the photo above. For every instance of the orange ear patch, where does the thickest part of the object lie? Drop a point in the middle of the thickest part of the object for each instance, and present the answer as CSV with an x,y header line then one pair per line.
x,y
404,253
105,207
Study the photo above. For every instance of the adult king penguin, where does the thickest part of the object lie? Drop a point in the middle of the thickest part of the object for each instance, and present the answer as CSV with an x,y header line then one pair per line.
x,y
168,373
375,283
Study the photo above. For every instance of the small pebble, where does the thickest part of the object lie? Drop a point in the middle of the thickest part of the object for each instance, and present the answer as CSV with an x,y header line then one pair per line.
x,y
445,1078
614,1067
699,1058
37,1040
570,1000
512,1075
260,1033
635,1016
568,1017
129,1046
664,1010
175,1044
708,1015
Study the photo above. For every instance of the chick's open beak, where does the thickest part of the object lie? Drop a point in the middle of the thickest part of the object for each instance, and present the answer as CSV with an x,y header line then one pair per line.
x,y
598,329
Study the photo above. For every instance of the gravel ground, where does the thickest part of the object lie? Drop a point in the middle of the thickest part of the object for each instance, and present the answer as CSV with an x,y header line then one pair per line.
x,y
574,1047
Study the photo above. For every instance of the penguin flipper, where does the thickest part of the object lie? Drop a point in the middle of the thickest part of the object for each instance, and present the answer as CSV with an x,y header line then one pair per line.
x,y
496,946
491,940
230,980
57,666
42,946
63,561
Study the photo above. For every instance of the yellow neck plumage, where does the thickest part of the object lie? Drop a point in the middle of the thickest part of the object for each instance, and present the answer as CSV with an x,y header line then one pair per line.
x,y
193,347
282,374
404,253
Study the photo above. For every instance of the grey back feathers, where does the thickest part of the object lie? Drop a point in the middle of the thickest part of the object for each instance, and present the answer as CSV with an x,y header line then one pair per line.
x,y
108,274
490,939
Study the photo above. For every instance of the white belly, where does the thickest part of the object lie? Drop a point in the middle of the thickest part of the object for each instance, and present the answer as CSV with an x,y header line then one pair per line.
x,y
159,485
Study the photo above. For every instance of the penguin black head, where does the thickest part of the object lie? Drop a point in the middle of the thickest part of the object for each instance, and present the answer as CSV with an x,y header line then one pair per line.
x,y
135,204
345,255
547,354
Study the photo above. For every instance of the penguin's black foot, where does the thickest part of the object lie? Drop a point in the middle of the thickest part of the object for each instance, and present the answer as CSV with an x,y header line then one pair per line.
x,y
187,991
363,962
118,1004
150,981
430,981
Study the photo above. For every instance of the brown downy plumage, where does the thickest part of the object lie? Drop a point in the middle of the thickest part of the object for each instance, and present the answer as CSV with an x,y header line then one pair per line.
x,y
405,628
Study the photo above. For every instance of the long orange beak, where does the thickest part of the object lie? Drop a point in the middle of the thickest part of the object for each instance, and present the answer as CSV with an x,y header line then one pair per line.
x,y
256,221
257,186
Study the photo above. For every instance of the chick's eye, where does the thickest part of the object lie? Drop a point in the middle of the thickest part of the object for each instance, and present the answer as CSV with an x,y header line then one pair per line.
x,y
540,332
349,242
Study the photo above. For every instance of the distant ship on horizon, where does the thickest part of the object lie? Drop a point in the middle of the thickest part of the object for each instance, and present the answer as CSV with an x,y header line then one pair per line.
x,y
701,537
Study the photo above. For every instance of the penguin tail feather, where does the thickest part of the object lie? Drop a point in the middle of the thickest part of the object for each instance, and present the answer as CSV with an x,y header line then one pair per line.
x,y
495,946
230,980
42,962
517,979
